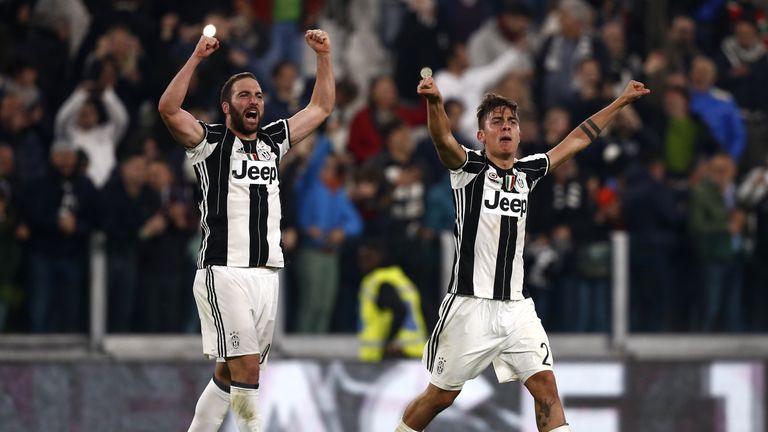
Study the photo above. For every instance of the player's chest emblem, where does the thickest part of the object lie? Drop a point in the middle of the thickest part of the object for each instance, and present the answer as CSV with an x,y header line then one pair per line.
x,y
493,177
263,151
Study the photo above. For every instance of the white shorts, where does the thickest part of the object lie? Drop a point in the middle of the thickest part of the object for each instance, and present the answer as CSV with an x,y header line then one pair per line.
x,y
472,333
237,308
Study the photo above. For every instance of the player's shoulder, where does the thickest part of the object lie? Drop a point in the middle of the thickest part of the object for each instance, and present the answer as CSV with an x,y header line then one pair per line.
x,y
213,133
538,162
276,127
475,162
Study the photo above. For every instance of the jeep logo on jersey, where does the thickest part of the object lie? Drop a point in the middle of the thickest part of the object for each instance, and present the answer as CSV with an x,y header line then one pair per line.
x,y
253,172
505,203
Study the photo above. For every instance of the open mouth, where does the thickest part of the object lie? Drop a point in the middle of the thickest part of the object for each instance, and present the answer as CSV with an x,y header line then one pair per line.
x,y
505,139
252,114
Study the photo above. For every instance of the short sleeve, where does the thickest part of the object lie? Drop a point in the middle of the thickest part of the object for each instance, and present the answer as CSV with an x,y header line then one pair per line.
x,y
535,167
214,135
278,135
473,166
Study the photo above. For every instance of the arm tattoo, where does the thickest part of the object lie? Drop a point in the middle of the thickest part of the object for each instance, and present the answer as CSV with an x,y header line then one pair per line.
x,y
590,129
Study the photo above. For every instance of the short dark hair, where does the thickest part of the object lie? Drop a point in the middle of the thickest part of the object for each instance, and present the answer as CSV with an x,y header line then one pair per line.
x,y
680,90
390,127
281,65
490,103
226,91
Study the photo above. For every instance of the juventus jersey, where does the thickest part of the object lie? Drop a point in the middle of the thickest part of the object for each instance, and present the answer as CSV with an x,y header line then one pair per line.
x,y
240,204
491,208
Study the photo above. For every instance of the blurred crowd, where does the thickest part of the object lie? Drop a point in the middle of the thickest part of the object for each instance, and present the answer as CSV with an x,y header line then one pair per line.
x,y
684,172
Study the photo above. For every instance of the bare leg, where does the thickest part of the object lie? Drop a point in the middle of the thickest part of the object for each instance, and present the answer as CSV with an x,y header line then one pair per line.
x,y
549,410
427,405
222,373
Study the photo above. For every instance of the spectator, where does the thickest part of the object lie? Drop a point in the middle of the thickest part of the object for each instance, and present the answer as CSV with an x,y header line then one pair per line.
x,y
405,181
715,229
626,143
561,53
326,219
680,47
60,210
121,49
652,216
588,94
743,65
419,23
16,130
129,214
22,82
623,65
94,120
504,33
365,135
287,21
685,137
717,108
12,234
469,84
163,267
287,97
391,325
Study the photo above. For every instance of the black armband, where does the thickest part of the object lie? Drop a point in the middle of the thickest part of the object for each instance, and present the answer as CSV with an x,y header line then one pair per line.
x,y
590,129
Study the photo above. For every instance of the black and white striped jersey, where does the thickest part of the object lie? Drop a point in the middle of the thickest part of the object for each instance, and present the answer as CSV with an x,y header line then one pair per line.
x,y
491,208
240,203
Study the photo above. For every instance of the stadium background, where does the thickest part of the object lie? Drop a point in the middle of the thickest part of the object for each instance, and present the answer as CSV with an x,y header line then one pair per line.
x,y
646,257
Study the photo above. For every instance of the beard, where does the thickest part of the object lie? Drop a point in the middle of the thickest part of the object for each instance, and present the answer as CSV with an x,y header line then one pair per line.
x,y
237,120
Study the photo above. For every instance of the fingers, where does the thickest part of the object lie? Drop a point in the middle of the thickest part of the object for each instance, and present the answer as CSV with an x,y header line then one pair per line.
x,y
318,36
426,83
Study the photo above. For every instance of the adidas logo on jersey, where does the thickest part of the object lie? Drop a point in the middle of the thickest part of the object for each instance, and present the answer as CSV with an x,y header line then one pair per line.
x,y
253,172
505,203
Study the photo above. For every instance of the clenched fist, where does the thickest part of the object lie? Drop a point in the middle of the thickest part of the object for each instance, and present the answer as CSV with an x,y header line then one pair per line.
x,y
206,46
428,89
632,92
318,40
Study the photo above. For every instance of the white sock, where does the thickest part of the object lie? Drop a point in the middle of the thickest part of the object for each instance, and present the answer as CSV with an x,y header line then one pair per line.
x,y
244,399
211,408
402,427
563,428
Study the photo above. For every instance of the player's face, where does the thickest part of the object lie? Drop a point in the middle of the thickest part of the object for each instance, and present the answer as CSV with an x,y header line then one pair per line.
x,y
245,107
501,133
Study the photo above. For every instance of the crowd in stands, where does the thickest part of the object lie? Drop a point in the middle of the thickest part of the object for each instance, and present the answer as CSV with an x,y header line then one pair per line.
x,y
684,172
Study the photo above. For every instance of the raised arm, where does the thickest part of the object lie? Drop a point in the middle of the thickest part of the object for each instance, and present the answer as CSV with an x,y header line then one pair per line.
x,y
118,115
182,125
587,132
448,149
65,118
323,95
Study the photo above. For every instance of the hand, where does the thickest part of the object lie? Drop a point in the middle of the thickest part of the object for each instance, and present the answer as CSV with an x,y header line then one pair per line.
x,y
318,40
206,46
655,62
335,237
429,90
632,92
154,226
67,223
314,232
